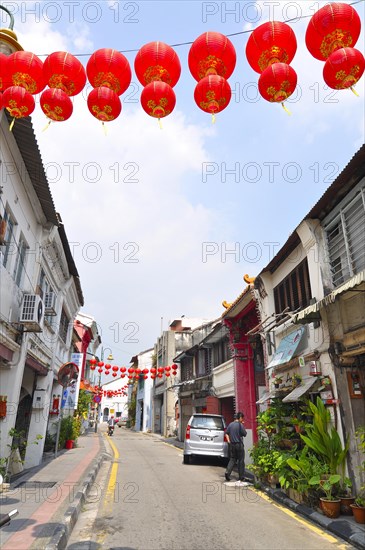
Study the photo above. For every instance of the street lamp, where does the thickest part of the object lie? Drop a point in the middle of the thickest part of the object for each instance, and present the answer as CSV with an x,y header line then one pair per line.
x,y
109,358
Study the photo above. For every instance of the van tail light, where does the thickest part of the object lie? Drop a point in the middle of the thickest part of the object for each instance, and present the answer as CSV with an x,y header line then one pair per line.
x,y
187,435
225,435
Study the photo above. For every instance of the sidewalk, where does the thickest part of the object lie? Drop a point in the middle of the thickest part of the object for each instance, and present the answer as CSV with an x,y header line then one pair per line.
x,y
343,527
49,497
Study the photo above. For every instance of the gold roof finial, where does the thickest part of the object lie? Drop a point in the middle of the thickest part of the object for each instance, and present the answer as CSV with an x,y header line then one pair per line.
x,y
226,305
249,280
8,39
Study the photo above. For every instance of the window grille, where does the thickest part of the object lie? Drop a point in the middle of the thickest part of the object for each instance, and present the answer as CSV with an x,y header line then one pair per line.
x,y
346,241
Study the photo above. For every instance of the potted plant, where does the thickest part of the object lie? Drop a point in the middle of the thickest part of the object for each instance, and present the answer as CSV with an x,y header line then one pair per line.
x,y
277,381
345,496
358,507
296,380
330,505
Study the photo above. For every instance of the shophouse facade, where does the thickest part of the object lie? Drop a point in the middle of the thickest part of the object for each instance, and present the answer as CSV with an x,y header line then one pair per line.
x,y
315,285
40,294
143,362
165,395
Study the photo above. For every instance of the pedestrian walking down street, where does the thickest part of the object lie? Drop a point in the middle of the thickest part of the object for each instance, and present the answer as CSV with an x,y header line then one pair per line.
x,y
234,434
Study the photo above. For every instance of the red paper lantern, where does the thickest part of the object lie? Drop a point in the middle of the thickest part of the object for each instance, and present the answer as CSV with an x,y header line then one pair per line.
x,y
145,371
115,369
107,372
332,27
158,99
272,42
156,61
25,69
211,53
131,370
160,375
174,372
343,68
104,104
212,94
167,373
174,366
100,370
64,71
56,105
122,375
92,367
18,102
153,376
4,80
109,68
100,364
145,376
160,370
153,370
277,82
122,369
93,361
114,374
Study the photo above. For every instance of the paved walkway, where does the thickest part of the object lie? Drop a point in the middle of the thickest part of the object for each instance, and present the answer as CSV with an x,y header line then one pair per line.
x,y
50,497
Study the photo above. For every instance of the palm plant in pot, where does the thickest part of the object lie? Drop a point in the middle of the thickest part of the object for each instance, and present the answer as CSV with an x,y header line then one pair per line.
x,y
330,505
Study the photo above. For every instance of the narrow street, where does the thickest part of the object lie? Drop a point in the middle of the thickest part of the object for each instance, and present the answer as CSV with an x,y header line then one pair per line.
x,y
145,498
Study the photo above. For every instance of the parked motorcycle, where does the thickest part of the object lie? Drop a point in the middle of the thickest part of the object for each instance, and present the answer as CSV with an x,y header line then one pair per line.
x,y
110,430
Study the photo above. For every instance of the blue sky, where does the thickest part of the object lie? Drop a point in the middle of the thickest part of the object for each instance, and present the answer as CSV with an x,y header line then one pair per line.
x,y
142,201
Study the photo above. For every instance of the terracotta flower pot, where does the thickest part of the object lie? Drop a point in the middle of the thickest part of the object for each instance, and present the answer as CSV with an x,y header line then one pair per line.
x,y
359,513
346,510
331,508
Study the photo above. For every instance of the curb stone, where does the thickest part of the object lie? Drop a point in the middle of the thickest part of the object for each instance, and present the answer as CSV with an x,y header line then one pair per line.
x,y
62,534
342,529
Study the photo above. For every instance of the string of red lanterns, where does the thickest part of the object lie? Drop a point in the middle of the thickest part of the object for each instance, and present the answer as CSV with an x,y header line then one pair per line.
x,y
331,35
133,373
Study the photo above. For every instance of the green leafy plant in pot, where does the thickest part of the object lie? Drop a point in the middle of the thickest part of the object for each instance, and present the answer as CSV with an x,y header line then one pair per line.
x,y
358,507
330,505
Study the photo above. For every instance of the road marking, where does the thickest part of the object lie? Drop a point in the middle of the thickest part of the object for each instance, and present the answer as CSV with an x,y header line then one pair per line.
x,y
306,523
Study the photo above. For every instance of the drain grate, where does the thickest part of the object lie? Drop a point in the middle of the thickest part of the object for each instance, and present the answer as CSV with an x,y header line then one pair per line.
x,y
37,484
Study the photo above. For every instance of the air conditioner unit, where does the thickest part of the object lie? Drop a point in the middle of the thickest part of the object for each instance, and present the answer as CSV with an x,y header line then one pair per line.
x,y
32,313
50,303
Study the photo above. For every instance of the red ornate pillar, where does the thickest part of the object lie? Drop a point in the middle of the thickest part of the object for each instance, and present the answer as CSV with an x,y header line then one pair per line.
x,y
245,391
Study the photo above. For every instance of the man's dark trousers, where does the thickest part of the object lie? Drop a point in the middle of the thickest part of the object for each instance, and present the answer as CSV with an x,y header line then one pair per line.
x,y
236,454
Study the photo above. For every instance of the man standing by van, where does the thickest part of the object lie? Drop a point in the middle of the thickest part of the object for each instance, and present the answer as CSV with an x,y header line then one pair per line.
x,y
234,434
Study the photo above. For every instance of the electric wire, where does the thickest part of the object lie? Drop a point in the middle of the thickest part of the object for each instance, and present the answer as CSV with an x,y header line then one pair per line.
x,y
299,17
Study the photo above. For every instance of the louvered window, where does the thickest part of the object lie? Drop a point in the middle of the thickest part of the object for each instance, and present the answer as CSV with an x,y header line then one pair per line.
x,y
346,241
187,369
294,291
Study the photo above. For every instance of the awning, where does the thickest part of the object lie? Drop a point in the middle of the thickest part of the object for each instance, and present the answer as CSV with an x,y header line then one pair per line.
x,y
266,397
287,348
309,312
300,390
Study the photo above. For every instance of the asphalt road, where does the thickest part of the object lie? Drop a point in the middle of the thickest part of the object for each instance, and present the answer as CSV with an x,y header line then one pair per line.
x,y
144,498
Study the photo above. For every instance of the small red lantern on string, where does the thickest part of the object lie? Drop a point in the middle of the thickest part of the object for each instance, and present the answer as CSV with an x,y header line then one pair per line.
x,y
153,370
64,71
114,374
109,68
100,370
272,42
174,366
122,369
160,370
25,69
104,104
277,83
145,371
332,27
212,53
174,372
92,367
167,369
158,99
100,364
56,105
212,94
344,68
160,375
157,61
131,370
167,373
115,368
18,102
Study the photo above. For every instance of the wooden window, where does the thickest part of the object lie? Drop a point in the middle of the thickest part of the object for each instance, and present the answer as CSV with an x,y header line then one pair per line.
x,y
294,291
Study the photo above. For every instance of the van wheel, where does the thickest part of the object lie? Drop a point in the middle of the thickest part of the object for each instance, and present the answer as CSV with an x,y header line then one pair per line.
x,y
186,459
